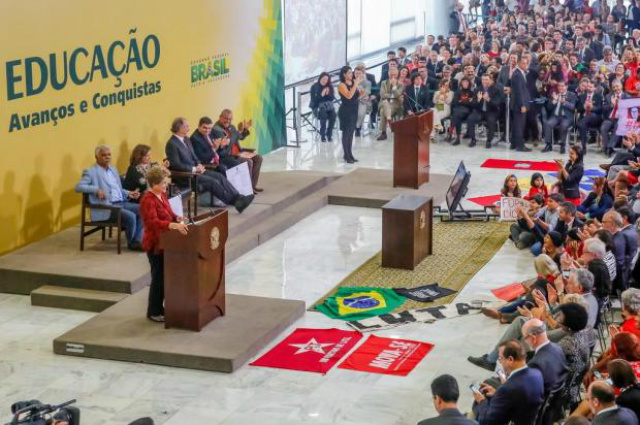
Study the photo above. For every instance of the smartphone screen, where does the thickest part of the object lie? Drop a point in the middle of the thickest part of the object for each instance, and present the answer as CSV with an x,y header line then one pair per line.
x,y
474,388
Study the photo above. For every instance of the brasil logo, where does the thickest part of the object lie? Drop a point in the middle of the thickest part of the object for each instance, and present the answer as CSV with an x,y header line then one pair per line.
x,y
210,69
360,302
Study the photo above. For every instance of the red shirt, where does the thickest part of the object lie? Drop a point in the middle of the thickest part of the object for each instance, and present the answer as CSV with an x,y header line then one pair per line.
x,y
156,214
538,190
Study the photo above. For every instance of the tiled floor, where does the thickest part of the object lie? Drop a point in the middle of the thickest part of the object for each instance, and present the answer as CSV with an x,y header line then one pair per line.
x,y
301,263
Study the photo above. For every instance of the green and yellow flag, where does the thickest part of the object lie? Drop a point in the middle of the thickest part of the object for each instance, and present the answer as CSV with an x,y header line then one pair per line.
x,y
360,302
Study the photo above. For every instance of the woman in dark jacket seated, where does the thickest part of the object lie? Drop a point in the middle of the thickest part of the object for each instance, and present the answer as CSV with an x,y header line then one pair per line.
x,y
139,165
569,175
598,202
322,98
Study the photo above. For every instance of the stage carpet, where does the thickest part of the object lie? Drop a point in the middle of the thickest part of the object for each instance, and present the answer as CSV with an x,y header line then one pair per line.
x,y
460,250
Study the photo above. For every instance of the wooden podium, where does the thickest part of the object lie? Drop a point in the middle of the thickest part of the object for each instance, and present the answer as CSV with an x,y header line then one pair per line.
x,y
194,272
407,231
411,150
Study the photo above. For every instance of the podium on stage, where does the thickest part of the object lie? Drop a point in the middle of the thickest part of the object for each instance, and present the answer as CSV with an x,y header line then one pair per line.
x,y
194,272
411,150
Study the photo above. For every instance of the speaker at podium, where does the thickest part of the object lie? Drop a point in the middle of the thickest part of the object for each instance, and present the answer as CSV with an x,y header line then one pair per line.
x,y
411,150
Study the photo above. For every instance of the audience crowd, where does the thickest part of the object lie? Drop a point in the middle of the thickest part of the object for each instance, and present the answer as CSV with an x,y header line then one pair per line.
x,y
550,71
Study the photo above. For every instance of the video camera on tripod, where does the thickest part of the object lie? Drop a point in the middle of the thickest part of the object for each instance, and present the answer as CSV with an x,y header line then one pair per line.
x,y
33,412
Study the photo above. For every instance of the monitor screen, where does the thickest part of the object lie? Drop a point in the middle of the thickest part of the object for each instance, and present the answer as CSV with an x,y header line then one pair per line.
x,y
458,187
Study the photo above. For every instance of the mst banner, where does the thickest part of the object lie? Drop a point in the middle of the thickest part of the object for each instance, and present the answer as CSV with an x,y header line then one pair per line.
x,y
75,74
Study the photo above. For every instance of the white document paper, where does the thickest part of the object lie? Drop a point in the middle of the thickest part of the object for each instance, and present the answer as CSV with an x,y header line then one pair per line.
x,y
176,205
508,208
239,177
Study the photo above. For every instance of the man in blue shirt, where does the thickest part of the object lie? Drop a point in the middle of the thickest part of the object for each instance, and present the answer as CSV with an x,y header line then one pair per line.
x,y
102,183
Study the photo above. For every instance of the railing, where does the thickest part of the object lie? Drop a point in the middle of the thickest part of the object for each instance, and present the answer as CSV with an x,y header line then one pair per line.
x,y
296,108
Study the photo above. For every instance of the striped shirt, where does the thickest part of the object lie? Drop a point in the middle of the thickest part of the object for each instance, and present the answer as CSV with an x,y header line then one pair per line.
x,y
610,261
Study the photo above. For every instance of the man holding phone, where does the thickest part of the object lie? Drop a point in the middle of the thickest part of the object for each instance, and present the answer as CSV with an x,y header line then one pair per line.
x,y
516,401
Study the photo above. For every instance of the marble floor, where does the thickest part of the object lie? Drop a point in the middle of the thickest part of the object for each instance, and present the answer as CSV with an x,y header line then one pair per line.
x,y
301,263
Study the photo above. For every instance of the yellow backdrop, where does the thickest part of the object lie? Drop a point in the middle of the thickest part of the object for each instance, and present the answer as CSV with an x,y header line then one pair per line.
x,y
42,163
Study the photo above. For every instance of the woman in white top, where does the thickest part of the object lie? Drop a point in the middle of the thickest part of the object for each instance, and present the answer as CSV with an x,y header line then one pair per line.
x,y
442,100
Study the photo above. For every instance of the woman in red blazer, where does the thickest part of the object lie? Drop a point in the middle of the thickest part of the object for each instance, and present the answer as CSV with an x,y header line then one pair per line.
x,y
157,217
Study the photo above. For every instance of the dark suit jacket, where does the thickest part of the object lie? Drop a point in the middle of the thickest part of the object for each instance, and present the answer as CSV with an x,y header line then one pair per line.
x,y
418,103
181,157
201,147
620,416
607,107
519,91
449,417
567,108
630,398
586,56
495,98
626,244
551,362
596,100
218,132
517,400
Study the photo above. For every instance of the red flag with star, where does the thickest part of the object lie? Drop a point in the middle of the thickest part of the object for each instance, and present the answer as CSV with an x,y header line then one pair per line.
x,y
310,350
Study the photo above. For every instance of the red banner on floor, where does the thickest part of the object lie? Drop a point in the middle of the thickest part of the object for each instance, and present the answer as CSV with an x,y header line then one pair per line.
x,y
509,292
510,164
486,201
310,350
387,356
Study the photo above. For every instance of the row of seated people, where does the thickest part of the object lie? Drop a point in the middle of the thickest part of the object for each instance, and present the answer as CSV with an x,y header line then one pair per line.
x,y
207,154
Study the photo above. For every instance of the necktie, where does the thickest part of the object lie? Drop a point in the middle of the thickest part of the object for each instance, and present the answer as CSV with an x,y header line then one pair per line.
x,y
558,108
484,102
215,154
615,108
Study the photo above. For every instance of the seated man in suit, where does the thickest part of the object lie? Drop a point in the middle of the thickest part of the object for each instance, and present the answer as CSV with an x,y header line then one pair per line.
x,y
103,185
548,358
416,96
590,109
182,158
518,399
560,109
602,402
445,399
610,116
223,129
210,151
486,106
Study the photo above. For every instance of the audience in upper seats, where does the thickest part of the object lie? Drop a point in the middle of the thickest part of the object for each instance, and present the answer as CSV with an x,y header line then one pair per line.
x,y
518,399
104,186
182,158
139,165
224,129
445,393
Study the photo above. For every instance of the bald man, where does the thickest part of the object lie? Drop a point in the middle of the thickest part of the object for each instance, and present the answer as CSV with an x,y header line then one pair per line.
x,y
602,402
548,358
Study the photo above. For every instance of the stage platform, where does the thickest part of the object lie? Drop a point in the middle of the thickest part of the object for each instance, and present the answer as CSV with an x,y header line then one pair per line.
x,y
289,196
122,332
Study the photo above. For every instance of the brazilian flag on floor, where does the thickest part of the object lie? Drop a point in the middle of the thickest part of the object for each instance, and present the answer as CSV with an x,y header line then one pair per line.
x,y
360,302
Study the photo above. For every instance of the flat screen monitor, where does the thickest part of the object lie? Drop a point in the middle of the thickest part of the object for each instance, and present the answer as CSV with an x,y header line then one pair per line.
x,y
458,187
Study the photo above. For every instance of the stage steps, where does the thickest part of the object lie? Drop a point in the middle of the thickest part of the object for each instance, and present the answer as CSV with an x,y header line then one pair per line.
x,y
75,299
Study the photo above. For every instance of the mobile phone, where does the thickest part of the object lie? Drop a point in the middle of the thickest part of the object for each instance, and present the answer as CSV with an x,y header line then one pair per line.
x,y
502,375
597,374
475,388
